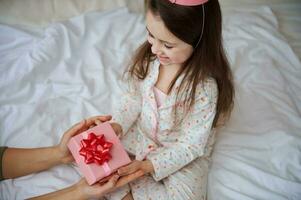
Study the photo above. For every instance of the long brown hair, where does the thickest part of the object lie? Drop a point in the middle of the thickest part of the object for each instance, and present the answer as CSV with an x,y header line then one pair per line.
x,y
208,58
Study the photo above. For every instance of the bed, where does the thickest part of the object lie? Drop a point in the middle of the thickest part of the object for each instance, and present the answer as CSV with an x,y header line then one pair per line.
x,y
53,73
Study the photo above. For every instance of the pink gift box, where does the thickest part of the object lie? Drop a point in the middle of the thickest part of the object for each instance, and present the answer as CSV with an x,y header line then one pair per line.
x,y
93,172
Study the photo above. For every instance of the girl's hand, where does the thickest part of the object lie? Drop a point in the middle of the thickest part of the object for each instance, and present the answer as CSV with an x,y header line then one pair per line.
x,y
144,166
62,150
129,178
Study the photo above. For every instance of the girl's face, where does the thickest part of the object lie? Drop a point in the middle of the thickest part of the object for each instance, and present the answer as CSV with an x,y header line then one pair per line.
x,y
169,49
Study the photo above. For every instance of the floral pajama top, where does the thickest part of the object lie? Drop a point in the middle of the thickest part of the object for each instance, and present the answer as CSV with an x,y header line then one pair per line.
x,y
181,155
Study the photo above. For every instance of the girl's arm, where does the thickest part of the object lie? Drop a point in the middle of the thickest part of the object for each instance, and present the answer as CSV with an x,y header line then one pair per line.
x,y
18,162
129,108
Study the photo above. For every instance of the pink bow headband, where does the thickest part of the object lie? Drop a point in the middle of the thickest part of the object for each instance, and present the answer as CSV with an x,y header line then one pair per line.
x,y
188,2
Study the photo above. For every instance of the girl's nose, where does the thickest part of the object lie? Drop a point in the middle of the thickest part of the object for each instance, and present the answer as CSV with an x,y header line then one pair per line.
x,y
156,47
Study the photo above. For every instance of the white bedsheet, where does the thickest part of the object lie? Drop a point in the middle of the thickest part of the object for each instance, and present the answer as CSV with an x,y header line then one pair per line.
x,y
52,78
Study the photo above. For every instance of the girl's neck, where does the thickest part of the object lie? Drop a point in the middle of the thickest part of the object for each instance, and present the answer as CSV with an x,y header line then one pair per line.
x,y
166,76
169,70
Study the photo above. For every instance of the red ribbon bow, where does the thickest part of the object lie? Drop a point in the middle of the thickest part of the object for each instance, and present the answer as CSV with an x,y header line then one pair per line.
x,y
95,149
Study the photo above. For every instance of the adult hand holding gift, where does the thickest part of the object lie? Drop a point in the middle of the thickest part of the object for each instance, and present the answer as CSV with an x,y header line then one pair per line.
x,y
18,162
98,152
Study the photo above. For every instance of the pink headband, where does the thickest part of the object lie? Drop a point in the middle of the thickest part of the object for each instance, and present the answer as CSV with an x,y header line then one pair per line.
x,y
188,2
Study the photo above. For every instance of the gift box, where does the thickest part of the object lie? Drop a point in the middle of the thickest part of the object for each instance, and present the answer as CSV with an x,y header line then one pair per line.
x,y
98,152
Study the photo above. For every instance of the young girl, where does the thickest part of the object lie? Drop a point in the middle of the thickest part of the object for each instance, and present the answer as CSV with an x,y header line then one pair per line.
x,y
180,87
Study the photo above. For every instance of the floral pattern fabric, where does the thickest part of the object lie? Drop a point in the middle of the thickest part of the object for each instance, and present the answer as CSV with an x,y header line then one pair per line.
x,y
178,149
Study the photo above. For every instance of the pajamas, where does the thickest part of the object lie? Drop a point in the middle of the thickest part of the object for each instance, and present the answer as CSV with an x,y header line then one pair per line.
x,y
187,183
179,148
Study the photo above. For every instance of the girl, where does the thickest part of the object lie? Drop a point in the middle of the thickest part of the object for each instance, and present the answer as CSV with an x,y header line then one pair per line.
x,y
180,87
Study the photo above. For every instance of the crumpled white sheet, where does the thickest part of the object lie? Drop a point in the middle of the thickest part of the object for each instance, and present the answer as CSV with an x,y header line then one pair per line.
x,y
53,78
257,156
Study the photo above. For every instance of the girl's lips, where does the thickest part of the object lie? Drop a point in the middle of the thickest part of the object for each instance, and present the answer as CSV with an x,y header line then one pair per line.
x,y
162,58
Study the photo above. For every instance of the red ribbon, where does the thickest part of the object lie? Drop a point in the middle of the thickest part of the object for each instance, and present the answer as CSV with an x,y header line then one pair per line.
x,y
95,149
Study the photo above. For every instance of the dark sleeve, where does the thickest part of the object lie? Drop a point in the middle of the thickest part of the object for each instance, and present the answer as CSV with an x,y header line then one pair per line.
x,y
2,149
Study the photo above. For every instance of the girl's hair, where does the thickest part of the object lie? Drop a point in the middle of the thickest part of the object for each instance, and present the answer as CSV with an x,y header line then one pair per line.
x,y
208,58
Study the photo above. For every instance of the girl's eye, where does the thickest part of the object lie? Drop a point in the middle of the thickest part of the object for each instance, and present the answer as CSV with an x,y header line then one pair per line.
x,y
150,35
167,46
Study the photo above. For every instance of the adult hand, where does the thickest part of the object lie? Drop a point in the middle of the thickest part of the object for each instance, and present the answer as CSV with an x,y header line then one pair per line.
x,y
117,127
84,125
81,190
99,189
96,190
144,166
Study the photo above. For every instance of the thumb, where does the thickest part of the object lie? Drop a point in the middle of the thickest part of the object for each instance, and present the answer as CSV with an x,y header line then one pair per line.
x,y
105,118
113,180
129,169
97,122
111,183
